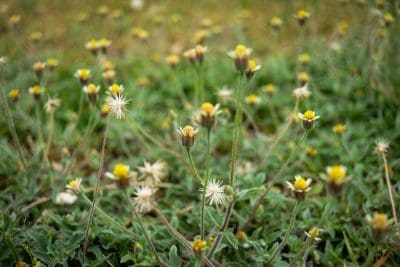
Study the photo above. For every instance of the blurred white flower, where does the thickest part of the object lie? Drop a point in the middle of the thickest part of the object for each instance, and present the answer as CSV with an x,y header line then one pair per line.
x,y
52,104
224,94
302,92
156,171
65,198
137,4
382,146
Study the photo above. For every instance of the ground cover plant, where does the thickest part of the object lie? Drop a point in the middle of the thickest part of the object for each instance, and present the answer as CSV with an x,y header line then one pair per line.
x,y
208,133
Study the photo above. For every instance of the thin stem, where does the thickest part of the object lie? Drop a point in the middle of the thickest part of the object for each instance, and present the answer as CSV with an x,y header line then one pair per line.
x,y
146,235
236,131
206,178
289,230
108,218
271,183
14,135
39,125
193,167
49,138
389,186
98,178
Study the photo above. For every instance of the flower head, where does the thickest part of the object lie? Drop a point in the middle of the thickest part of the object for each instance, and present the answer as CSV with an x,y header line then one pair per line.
x,y
121,174
270,89
224,94
252,67
253,100
38,67
190,55
117,104
109,76
52,63
336,178
303,78
92,46
144,199
382,146
65,198
276,23
314,233
299,187
200,52
103,44
339,128
302,16
105,110
379,225
308,118
91,90
199,245
156,172
74,185
14,94
36,91
52,104
304,58
115,89
240,56
206,116
187,133
215,192
302,92
83,75
173,60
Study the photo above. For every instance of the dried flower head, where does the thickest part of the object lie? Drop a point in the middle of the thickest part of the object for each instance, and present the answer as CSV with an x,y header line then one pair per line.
x,y
144,199
308,118
109,76
190,55
241,235
302,92
187,134
117,104
215,192
200,52
224,94
206,116
382,146
38,67
52,104
154,173
65,198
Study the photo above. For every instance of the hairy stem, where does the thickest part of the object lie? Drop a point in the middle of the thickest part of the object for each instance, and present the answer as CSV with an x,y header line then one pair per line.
x,y
206,178
389,186
193,167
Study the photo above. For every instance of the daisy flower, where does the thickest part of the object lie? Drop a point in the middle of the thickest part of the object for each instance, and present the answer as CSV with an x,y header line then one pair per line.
x,y
308,118
74,185
215,192
187,134
144,199
300,186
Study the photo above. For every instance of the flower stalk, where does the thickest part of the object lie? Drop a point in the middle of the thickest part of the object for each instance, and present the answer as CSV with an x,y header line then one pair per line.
x,y
206,178
389,186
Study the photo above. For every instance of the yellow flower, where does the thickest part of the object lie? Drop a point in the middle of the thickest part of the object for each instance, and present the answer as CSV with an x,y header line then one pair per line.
x,y
190,55
388,19
311,152
308,118
207,114
103,10
36,91
14,20
339,128
105,110
143,81
304,58
252,67
253,100
314,233
172,60
276,23
115,89
200,51
299,187
107,65
379,222
36,36
187,134
83,75
241,235
109,76
103,44
302,16
92,46
38,67
240,56
121,170
336,174
303,78
74,185
52,63
14,94
200,36
91,90
270,89
342,28
199,245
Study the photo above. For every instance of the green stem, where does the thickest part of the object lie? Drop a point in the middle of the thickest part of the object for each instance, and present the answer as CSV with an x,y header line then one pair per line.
x,y
146,235
193,167
389,186
100,173
206,178
14,135
108,218
349,249
289,230
49,138
271,183
39,125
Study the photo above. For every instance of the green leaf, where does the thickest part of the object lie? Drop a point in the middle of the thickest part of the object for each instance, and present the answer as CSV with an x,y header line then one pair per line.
x,y
173,257
231,239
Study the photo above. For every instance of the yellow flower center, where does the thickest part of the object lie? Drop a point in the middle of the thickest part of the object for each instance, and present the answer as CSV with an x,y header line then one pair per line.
x,y
207,107
199,245
379,221
302,14
275,21
36,89
337,173
339,128
14,94
121,170
92,44
92,89
314,232
300,184
240,50
252,64
252,99
74,184
309,115
105,109
188,131
52,62
84,74
115,89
